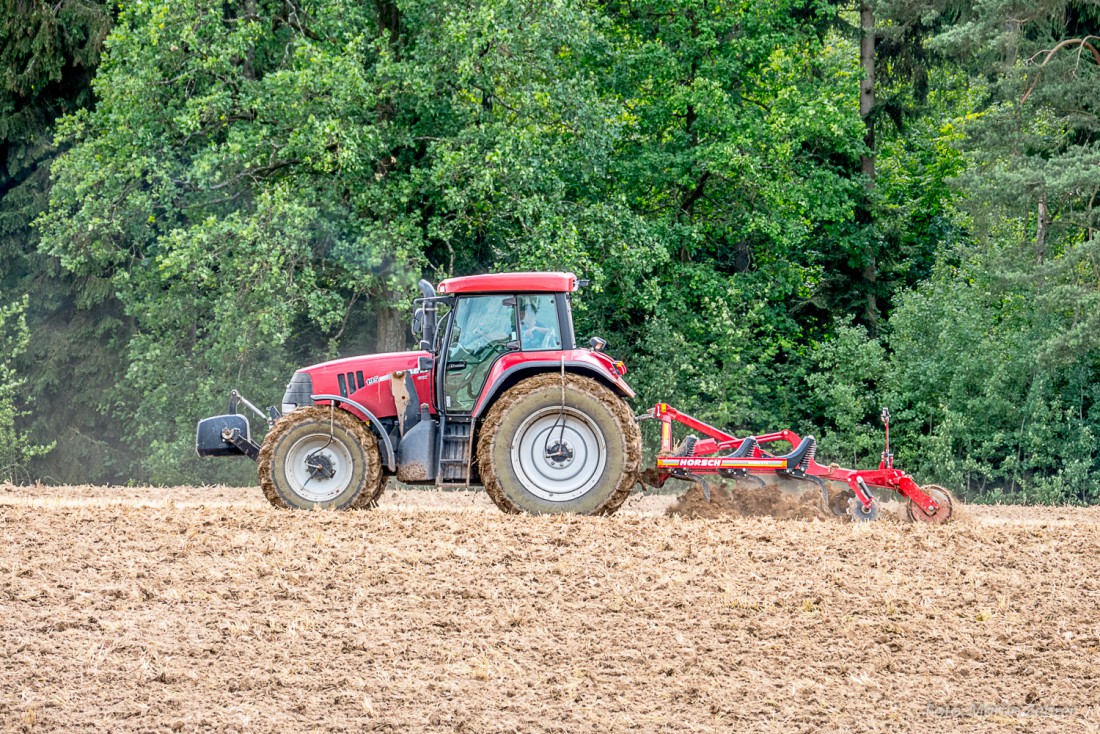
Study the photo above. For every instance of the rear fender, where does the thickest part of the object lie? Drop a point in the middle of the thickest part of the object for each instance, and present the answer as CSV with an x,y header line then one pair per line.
x,y
515,366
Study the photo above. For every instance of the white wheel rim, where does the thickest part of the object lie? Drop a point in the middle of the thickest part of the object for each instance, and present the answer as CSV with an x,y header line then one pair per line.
x,y
318,449
571,471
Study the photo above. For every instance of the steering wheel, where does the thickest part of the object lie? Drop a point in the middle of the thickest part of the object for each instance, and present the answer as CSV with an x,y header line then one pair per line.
x,y
482,359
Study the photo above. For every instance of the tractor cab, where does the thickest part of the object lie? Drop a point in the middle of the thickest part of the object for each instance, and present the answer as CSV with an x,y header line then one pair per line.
x,y
485,334
472,322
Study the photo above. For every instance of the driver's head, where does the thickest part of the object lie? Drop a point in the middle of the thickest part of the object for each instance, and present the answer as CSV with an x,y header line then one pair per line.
x,y
527,315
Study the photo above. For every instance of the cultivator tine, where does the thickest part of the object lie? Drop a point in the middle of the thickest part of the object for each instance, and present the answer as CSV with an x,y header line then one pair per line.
x,y
821,485
754,478
702,483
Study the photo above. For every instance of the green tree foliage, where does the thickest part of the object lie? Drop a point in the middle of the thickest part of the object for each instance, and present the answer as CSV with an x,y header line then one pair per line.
x,y
743,158
996,356
259,184
229,185
48,55
287,164
844,387
16,448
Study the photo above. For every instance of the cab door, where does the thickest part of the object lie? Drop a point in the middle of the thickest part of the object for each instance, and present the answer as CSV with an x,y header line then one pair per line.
x,y
482,329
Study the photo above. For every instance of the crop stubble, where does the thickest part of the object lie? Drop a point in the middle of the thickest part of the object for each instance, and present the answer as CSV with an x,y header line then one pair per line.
x,y
126,609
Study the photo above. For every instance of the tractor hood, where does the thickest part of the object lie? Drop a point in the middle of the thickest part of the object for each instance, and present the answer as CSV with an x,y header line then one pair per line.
x,y
366,380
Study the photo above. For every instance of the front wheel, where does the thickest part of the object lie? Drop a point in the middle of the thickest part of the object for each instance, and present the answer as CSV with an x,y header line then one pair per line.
x,y
541,454
321,458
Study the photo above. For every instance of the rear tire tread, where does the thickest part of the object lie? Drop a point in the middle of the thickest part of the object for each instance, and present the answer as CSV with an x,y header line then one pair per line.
x,y
624,417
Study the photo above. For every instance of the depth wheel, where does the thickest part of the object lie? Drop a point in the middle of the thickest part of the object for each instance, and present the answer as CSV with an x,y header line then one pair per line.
x,y
321,458
941,497
858,513
538,455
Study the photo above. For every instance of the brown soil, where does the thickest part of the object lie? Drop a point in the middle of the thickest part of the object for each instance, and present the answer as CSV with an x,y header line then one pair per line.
x,y
781,499
742,499
205,609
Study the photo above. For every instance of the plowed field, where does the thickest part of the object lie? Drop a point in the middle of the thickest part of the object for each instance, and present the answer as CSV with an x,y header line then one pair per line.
x,y
203,609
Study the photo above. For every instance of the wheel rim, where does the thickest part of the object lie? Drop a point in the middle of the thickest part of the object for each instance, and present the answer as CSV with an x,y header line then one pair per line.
x,y
858,513
318,467
559,455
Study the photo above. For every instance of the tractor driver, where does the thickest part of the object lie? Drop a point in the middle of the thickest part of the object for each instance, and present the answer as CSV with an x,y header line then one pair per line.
x,y
535,333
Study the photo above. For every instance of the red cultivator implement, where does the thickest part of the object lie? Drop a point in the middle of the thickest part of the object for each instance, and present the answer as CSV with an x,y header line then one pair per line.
x,y
748,459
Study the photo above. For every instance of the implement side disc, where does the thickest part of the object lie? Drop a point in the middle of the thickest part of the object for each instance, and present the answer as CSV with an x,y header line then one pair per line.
x,y
941,497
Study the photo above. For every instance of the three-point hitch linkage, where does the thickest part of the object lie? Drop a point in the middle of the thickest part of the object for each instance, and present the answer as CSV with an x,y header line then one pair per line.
x,y
746,458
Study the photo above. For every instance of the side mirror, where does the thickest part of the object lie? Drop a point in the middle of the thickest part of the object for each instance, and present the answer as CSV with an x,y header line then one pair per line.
x,y
424,320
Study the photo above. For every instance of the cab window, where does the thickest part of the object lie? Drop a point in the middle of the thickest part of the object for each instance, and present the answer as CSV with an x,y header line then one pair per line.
x,y
538,323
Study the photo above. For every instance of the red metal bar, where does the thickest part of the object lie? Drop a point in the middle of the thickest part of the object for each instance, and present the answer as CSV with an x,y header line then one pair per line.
x,y
666,412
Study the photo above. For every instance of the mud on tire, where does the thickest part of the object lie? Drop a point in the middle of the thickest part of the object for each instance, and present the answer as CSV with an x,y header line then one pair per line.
x,y
598,448
334,441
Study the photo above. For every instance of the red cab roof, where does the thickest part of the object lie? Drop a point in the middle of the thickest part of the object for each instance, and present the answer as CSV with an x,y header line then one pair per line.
x,y
511,283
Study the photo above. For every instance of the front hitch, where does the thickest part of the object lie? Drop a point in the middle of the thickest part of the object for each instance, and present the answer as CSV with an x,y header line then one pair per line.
x,y
231,434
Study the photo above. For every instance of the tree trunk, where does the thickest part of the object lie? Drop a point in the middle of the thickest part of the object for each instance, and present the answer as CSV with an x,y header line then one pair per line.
x,y
867,160
1042,226
867,86
392,326
389,20
688,194
1041,229
392,333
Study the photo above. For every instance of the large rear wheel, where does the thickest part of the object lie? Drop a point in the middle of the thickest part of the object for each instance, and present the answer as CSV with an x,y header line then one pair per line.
x,y
541,454
321,457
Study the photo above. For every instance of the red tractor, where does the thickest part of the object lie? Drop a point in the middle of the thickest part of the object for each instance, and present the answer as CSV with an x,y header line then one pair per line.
x,y
500,395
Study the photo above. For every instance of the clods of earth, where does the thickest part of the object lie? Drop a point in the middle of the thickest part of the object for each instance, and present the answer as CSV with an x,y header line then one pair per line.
x,y
205,609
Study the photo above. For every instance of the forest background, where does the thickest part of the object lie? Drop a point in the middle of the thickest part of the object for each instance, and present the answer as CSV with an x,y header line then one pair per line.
x,y
792,213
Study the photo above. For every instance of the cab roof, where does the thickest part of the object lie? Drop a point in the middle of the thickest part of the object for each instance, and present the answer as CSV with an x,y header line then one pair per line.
x,y
511,283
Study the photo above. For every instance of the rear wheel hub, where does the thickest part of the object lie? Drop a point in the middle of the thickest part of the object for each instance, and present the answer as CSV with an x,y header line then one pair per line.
x,y
320,467
558,454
